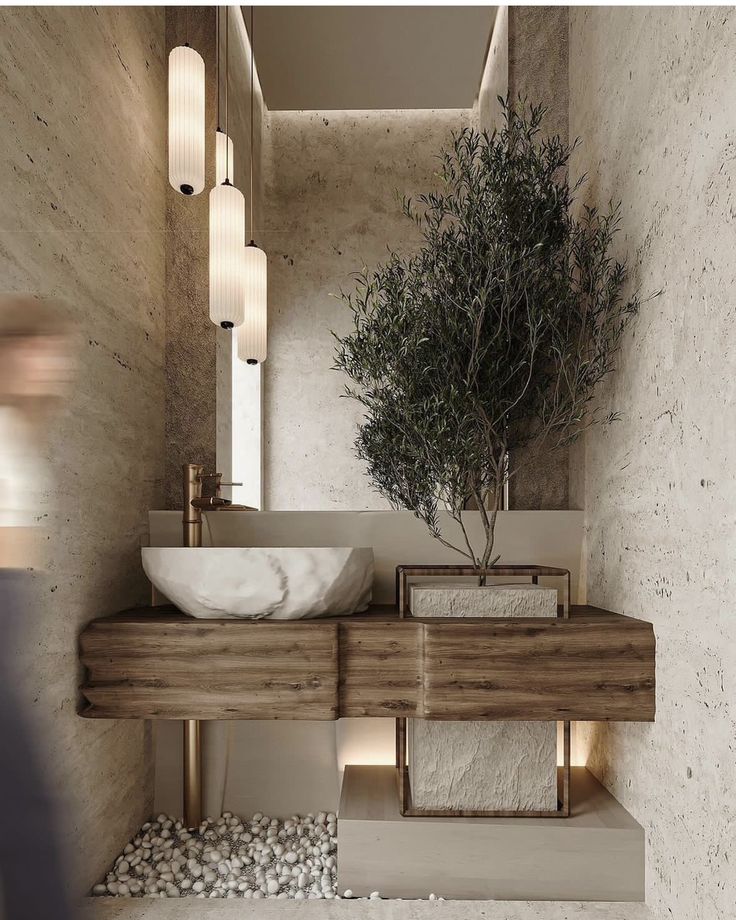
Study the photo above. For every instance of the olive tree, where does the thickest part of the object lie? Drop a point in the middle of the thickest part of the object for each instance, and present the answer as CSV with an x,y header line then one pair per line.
x,y
493,335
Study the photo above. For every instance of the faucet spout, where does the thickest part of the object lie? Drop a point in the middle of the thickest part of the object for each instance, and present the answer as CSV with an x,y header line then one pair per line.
x,y
210,503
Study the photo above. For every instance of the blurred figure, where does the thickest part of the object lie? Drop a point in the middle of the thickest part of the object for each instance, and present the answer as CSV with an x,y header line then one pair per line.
x,y
35,367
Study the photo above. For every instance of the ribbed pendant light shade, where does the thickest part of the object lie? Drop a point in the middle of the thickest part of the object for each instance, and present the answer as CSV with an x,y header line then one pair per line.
x,y
186,120
227,236
252,334
223,158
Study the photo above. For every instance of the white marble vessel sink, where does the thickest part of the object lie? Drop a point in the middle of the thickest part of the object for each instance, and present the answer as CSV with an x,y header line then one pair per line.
x,y
282,583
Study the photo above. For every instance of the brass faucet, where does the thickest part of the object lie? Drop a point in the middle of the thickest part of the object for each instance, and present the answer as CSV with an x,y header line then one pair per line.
x,y
194,503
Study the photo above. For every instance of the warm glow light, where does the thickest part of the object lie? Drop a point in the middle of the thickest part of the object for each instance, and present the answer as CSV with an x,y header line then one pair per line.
x,y
186,120
227,236
252,334
366,741
223,158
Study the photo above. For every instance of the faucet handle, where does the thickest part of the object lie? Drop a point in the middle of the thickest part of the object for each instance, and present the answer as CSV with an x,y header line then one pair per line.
x,y
218,477
218,481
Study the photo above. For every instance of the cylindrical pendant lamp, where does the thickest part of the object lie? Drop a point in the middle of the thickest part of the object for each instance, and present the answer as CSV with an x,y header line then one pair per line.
x,y
186,120
227,237
223,158
252,334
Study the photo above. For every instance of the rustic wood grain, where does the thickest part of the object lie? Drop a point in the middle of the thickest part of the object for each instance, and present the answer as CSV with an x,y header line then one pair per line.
x,y
157,663
562,669
380,670
161,667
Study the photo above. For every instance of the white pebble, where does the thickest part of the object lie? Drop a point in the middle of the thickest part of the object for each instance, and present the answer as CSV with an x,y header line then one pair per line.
x,y
225,858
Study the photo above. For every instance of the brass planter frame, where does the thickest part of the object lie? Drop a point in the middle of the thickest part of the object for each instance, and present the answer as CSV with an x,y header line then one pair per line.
x,y
408,809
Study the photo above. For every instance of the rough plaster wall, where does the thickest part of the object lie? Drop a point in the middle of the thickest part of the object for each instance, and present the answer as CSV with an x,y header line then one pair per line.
x,y
538,61
191,339
330,181
495,80
651,93
537,71
82,218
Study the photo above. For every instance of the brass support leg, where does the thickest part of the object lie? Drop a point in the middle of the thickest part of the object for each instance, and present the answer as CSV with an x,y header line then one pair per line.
x,y
192,773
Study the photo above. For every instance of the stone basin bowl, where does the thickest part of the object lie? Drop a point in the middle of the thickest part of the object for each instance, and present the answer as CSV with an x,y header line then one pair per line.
x,y
283,583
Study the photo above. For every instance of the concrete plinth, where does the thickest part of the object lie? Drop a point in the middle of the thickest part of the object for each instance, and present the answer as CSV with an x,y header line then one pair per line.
x,y
595,854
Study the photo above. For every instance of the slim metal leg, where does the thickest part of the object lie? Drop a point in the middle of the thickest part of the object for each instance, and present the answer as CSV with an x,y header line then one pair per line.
x,y
192,773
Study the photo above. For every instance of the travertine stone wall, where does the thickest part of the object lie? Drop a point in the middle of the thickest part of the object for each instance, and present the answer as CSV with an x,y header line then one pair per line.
x,y
651,95
330,185
83,154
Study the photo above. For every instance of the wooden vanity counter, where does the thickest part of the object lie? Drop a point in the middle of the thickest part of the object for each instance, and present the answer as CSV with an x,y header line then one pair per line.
x,y
157,663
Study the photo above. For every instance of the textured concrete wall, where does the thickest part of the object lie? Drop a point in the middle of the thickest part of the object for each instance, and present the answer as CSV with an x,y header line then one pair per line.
x,y
537,72
83,104
651,94
331,181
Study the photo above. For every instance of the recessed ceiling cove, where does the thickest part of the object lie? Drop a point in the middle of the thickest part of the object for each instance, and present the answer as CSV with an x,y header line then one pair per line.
x,y
370,57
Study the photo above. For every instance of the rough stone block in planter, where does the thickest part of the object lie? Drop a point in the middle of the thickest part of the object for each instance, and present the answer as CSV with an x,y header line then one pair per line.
x,y
483,766
458,600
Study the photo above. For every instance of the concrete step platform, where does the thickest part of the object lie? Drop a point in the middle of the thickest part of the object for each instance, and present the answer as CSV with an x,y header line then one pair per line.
x,y
597,854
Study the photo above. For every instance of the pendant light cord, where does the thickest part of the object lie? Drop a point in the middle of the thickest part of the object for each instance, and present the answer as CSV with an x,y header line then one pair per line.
x,y
217,61
252,56
227,67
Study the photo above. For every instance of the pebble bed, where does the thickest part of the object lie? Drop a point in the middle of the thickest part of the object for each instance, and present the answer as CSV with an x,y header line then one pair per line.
x,y
229,857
